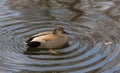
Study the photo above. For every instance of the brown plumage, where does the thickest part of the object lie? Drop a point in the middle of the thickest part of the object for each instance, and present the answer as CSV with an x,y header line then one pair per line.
x,y
49,39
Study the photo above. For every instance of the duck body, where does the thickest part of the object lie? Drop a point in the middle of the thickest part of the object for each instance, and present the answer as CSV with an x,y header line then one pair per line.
x,y
49,39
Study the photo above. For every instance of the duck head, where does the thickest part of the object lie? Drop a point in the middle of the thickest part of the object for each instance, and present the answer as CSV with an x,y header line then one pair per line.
x,y
59,30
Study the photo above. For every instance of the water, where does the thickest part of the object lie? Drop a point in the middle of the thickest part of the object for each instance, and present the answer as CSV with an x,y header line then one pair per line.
x,y
93,28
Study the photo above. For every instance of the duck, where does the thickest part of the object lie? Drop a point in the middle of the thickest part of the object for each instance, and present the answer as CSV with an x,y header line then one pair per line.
x,y
49,40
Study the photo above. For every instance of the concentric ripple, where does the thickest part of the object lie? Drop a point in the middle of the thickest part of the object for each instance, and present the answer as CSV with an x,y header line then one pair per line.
x,y
88,51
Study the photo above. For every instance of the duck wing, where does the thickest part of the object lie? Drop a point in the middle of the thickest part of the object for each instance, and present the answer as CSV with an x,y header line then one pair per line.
x,y
38,35
41,34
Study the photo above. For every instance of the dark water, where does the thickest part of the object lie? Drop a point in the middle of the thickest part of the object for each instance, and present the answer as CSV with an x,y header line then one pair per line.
x,y
93,27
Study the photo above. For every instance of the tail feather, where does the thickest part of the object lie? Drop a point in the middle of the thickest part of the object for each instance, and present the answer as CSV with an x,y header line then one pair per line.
x,y
33,44
29,40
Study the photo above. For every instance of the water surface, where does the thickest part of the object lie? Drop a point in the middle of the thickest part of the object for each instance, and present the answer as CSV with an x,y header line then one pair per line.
x,y
93,28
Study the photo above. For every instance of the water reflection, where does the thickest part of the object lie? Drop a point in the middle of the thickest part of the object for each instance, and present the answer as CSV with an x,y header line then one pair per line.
x,y
94,36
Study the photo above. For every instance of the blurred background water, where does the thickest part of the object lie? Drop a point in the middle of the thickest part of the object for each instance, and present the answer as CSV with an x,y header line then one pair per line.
x,y
93,27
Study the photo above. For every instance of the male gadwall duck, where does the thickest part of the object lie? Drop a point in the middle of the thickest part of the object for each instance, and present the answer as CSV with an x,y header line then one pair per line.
x,y
49,40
